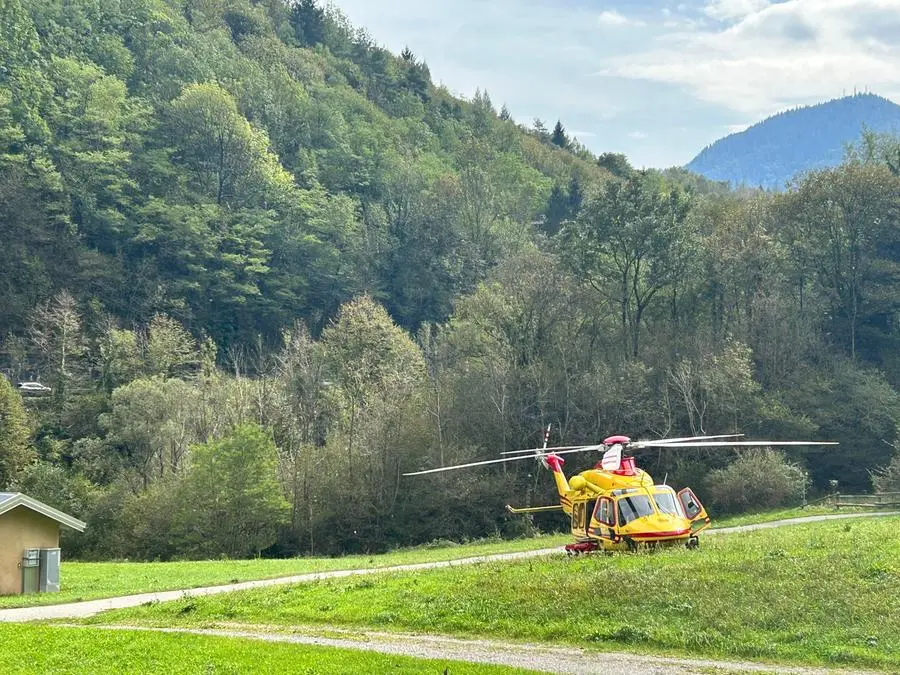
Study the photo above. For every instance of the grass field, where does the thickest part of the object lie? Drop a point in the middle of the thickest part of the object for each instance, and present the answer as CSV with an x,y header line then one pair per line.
x,y
823,593
89,581
786,514
45,649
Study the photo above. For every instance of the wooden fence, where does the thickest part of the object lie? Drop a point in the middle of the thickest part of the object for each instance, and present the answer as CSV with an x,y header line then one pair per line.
x,y
885,500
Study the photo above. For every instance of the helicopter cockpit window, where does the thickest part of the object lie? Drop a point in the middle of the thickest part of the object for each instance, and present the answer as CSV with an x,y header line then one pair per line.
x,y
667,503
633,507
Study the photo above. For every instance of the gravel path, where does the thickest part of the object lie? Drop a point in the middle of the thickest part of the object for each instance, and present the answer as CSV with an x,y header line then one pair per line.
x,y
76,610
535,657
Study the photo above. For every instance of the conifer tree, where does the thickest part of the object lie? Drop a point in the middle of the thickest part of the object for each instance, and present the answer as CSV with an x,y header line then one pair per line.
x,y
559,137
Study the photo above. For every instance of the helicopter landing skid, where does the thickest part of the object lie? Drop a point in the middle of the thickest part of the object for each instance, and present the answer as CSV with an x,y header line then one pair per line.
x,y
582,547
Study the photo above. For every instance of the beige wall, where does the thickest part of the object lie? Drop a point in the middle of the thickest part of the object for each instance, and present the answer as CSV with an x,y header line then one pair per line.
x,y
22,528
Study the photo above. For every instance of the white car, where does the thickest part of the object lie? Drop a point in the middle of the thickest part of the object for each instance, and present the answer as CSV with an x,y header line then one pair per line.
x,y
33,387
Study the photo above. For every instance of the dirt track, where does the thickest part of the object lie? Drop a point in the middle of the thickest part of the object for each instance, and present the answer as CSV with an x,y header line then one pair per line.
x,y
534,657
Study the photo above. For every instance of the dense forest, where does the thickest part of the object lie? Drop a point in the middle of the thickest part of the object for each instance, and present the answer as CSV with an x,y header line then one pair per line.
x,y
770,153
262,267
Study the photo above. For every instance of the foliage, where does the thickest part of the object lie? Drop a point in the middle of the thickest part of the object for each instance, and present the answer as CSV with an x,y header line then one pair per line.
x,y
234,503
16,452
630,244
887,478
756,480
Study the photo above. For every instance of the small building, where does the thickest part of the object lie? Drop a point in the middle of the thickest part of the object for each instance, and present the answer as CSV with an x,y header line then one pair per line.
x,y
29,544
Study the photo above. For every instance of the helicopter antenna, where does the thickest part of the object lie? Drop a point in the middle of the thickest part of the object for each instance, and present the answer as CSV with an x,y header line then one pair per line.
x,y
666,478
547,435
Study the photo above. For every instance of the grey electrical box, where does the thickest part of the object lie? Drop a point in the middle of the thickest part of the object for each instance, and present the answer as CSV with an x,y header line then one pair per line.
x,y
31,567
49,570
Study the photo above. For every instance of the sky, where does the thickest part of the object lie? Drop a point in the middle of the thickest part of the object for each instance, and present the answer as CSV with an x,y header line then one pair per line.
x,y
657,81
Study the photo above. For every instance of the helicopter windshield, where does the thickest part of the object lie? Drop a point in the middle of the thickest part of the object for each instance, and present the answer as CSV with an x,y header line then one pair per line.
x,y
633,507
667,503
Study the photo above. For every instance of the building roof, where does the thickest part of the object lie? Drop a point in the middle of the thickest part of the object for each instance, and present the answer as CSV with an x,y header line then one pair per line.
x,y
10,500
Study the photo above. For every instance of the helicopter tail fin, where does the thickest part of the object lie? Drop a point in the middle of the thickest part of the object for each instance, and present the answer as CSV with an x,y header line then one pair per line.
x,y
555,463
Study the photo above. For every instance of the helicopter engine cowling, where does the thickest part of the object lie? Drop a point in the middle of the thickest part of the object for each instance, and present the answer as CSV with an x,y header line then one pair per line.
x,y
581,483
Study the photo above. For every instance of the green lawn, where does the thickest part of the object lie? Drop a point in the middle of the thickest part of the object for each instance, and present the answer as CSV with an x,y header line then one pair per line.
x,y
44,649
786,514
88,581
817,593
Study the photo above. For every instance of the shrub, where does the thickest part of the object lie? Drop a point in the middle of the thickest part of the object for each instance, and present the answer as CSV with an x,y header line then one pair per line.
x,y
887,478
758,479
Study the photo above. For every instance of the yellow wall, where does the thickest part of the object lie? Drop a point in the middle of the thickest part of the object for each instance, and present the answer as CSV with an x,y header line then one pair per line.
x,y
22,528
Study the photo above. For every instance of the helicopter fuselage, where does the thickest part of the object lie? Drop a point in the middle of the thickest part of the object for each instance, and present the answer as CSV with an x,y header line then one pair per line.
x,y
623,509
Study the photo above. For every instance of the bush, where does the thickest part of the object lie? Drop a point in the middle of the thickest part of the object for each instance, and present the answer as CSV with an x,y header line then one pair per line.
x,y
759,479
887,478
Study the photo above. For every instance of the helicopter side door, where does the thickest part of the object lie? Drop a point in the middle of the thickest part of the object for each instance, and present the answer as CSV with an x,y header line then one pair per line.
x,y
605,515
581,515
694,510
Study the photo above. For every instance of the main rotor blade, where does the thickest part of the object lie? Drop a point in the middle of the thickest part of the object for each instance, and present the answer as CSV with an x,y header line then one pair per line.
x,y
735,444
540,450
500,461
633,444
667,441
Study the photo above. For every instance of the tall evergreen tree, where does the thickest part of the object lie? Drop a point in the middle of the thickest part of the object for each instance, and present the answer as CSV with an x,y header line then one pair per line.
x,y
308,21
558,137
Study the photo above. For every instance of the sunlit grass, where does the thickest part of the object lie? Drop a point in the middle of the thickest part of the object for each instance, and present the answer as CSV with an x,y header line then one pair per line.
x,y
42,649
817,593
787,514
88,581
85,581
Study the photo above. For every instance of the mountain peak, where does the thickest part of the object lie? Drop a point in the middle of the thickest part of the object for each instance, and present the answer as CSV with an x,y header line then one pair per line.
x,y
771,152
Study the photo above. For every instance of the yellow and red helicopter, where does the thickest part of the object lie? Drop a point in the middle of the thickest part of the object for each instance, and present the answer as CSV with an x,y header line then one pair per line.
x,y
616,506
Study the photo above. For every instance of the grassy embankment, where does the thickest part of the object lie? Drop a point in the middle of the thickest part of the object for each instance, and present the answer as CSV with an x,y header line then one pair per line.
x,y
88,581
46,649
823,593
85,581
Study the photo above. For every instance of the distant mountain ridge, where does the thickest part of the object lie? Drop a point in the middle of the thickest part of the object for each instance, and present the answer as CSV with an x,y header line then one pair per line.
x,y
771,152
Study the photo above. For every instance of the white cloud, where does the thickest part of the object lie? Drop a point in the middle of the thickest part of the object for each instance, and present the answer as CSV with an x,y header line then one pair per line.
x,y
797,51
611,17
637,135
726,10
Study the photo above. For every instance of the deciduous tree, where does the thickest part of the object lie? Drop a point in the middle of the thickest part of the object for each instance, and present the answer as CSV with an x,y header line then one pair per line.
x,y
16,451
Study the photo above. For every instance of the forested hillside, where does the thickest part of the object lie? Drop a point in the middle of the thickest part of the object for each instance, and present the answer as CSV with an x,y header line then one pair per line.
x,y
265,266
772,152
